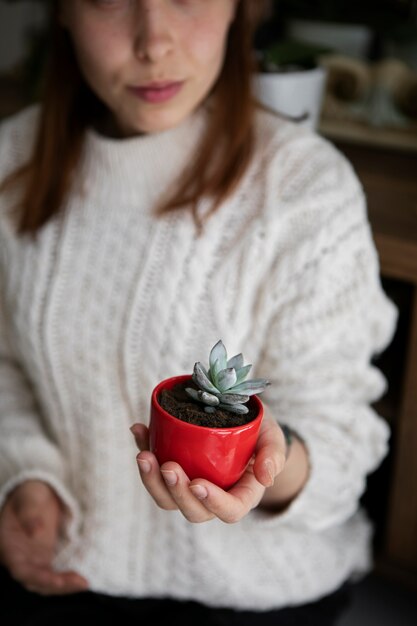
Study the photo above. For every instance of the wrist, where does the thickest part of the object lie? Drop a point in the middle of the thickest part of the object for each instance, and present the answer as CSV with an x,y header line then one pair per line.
x,y
290,482
289,435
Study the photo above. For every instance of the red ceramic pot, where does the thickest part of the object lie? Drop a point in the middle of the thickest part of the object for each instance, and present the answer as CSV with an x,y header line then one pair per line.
x,y
218,454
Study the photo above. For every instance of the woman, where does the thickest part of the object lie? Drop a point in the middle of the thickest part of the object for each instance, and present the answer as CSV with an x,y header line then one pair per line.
x,y
148,209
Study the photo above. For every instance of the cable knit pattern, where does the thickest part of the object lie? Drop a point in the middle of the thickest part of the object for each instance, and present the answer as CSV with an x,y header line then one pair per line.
x,y
110,300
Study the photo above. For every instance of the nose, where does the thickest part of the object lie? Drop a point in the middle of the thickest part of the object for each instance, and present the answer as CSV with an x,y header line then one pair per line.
x,y
154,37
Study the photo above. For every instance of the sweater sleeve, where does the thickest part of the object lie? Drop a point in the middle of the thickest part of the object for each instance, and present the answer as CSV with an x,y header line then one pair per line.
x,y
330,317
27,452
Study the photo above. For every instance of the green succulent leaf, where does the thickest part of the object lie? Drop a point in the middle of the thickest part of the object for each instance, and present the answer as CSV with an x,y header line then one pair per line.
x,y
214,372
223,384
205,371
242,373
193,393
236,361
202,396
201,378
218,352
232,398
226,379
241,409
208,398
251,387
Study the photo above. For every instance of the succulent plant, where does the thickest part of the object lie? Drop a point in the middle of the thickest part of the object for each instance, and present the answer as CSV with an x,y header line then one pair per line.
x,y
223,385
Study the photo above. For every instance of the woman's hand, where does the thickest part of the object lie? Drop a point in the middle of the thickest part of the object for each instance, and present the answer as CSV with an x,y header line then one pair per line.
x,y
200,500
30,522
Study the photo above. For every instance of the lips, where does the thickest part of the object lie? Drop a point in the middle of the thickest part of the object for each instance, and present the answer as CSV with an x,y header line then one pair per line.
x,y
156,92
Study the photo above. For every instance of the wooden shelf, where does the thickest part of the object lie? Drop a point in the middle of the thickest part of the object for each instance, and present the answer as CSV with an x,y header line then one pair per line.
x,y
368,136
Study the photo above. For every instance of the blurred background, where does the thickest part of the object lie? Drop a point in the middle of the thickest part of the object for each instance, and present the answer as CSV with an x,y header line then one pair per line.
x,y
348,69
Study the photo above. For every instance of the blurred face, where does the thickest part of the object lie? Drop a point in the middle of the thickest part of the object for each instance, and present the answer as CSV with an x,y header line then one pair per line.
x,y
152,62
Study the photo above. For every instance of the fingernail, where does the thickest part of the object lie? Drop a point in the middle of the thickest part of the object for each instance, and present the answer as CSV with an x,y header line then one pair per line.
x,y
199,491
144,466
170,477
270,470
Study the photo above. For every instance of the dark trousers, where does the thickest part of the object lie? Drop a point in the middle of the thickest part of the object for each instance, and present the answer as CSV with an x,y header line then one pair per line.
x,y
19,607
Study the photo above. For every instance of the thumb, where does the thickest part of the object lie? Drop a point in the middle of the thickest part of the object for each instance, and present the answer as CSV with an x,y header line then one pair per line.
x,y
41,528
33,521
39,520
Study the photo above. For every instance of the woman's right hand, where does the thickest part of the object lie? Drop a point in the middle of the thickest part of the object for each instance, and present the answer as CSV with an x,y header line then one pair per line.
x,y
30,523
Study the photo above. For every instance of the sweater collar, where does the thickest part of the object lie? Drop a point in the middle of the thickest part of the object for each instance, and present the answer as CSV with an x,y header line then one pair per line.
x,y
130,167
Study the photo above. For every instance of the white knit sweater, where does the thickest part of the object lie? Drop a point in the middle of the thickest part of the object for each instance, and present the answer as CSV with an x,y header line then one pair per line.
x,y
111,300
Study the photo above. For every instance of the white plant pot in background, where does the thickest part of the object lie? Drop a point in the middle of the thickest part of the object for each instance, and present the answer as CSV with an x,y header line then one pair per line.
x,y
298,93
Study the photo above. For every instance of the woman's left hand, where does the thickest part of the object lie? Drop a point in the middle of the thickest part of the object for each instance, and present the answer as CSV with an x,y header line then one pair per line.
x,y
200,500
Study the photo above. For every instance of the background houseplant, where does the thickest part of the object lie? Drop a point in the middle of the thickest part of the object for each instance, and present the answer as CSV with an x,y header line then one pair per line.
x,y
299,33
289,79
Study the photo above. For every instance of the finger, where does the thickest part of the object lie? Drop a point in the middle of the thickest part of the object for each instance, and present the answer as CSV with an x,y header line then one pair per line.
x,y
230,506
21,549
41,555
141,435
177,483
270,453
39,548
153,481
47,582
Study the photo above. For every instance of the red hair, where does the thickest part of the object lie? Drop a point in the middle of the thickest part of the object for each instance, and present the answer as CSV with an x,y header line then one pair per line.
x,y
69,107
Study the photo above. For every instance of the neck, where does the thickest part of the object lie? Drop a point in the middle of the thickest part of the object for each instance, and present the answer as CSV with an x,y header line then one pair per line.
x,y
107,126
